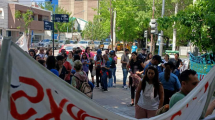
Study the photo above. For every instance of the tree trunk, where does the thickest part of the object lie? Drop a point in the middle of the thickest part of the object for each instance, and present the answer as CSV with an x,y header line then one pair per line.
x,y
167,42
28,38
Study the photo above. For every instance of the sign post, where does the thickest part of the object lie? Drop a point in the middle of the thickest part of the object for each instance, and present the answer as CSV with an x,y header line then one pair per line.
x,y
63,18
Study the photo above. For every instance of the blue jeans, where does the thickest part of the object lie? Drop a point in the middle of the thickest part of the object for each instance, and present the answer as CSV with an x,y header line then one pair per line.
x,y
113,70
104,80
110,82
125,74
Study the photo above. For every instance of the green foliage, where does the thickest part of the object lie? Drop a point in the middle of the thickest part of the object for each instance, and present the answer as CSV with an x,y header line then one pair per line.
x,y
26,18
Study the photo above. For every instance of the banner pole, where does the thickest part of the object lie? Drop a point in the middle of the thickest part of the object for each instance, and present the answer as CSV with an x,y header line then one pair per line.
x,y
4,58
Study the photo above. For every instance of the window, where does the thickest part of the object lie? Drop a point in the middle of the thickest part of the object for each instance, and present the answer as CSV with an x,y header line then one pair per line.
x,y
1,13
45,18
40,18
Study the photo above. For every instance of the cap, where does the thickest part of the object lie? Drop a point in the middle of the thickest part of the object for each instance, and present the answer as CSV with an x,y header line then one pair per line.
x,y
158,58
112,52
126,50
99,51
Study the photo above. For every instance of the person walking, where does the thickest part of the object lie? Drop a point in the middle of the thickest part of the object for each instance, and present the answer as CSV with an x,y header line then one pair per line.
x,y
86,62
170,82
113,62
149,95
90,57
60,67
48,53
134,48
124,61
105,69
51,65
98,63
136,69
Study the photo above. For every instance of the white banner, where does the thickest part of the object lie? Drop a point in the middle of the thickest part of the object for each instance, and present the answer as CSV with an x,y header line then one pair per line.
x,y
32,92
23,43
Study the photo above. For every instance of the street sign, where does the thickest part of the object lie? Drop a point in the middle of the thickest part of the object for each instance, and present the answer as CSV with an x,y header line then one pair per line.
x,y
48,25
61,18
145,33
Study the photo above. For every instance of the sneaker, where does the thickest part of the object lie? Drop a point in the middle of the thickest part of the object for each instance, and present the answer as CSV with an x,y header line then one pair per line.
x,y
114,85
125,87
105,91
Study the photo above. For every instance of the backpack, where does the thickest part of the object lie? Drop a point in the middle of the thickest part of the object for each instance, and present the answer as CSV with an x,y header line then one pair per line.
x,y
141,57
85,88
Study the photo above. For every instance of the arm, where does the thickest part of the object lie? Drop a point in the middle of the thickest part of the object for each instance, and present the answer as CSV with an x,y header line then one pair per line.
x,y
210,109
161,96
181,64
137,96
128,66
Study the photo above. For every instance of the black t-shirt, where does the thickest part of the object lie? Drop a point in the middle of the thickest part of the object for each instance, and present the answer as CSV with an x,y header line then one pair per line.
x,y
63,72
112,64
178,63
136,66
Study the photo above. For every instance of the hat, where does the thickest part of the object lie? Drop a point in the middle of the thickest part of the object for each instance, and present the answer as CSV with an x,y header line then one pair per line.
x,y
126,50
112,52
144,49
99,51
158,58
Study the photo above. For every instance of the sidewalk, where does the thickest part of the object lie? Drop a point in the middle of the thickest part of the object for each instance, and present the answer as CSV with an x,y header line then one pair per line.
x,y
115,100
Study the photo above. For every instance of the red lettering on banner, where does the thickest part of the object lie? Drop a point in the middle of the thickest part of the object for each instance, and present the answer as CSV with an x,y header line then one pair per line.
x,y
20,93
187,105
176,114
81,115
194,98
202,77
55,110
206,86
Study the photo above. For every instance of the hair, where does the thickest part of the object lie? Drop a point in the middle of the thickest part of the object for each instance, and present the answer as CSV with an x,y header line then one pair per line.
x,y
167,56
78,51
36,56
147,58
59,57
185,75
167,73
64,55
134,53
31,50
41,62
71,52
47,52
86,49
51,62
177,54
85,55
155,80
76,57
78,65
42,48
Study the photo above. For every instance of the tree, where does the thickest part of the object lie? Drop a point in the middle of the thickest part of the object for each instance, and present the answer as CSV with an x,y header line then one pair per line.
x,y
25,20
59,27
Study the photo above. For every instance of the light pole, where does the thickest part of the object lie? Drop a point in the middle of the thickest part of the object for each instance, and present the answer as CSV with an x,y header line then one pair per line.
x,y
161,41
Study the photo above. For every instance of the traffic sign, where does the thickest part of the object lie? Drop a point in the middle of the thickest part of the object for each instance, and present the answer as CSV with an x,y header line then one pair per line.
x,y
61,18
48,25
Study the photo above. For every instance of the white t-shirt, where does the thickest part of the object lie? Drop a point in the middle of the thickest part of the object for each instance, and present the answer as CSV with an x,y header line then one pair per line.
x,y
42,56
147,100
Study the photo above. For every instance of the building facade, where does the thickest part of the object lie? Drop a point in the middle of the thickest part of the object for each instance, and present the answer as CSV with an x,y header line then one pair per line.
x,y
36,26
83,9
3,17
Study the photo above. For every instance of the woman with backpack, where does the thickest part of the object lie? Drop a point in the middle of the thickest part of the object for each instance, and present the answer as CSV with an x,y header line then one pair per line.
x,y
113,62
169,81
149,95
86,62
80,79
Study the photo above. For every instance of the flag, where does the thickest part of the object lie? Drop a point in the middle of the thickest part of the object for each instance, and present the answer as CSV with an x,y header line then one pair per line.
x,y
30,91
22,42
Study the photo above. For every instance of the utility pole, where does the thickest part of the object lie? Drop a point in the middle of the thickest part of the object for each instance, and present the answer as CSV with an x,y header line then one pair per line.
x,y
111,25
174,30
161,42
114,30
153,9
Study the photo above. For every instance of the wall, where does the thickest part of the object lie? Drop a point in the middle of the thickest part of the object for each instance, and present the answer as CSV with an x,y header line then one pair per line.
x,y
4,18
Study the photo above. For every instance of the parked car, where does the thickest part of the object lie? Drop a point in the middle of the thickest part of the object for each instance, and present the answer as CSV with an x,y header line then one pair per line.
x,y
46,43
96,45
61,43
84,43
106,45
73,41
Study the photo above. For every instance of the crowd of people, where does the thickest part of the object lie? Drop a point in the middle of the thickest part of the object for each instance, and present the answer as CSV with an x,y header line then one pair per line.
x,y
154,83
